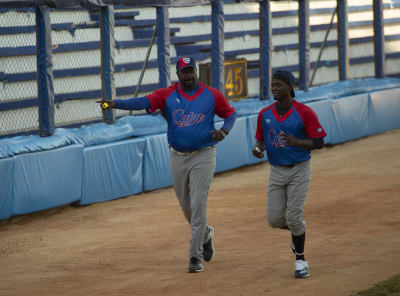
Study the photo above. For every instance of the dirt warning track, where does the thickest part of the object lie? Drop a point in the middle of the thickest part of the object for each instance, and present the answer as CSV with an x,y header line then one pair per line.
x,y
139,245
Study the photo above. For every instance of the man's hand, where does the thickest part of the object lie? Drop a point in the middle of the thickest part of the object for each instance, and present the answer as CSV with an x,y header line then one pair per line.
x,y
289,140
218,135
257,152
105,105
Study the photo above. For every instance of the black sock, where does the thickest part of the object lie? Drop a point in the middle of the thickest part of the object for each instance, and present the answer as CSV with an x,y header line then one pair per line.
x,y
298,242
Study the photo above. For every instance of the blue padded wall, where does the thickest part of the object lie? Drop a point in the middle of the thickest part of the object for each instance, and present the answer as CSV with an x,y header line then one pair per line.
x,y
324,111
350,118
48,179
251,135
384,111
6,173
112,171
156,165
233,151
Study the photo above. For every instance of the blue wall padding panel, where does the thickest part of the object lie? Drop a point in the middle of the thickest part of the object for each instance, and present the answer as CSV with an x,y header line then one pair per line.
x,y
33,143
89,135
47,179
384,111
6,173
351,118
340,89
233,151
126,127
324,111
112,171
129,126
250,106
251,135
156,165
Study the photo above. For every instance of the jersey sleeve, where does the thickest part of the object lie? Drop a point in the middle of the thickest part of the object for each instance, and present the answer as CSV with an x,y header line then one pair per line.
x,y
312,125
259,132
158,97
222,107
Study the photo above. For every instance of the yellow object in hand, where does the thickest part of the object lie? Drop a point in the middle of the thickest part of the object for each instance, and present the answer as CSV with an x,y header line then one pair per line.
x,y
105,105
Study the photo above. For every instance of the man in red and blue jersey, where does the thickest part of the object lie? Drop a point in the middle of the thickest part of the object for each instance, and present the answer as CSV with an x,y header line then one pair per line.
x,y
288,130
189,108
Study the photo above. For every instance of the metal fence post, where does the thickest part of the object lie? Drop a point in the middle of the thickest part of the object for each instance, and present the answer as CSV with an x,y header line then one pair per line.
x,y
265,50
343,39
107,59
44,71
163,44
217,51
304,43
379,39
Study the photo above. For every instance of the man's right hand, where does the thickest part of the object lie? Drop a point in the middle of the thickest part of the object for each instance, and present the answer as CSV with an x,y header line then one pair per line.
x,y
105,105
257,152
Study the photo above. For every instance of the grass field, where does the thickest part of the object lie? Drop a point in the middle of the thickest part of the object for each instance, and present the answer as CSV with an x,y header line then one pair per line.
x,y
390,287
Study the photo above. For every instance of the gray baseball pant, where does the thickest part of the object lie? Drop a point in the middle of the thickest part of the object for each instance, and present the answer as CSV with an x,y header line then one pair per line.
x,y
192,176
287,193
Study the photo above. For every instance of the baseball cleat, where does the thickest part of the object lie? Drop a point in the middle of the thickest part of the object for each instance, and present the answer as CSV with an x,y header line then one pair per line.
x,y
301,269
195,265
208,248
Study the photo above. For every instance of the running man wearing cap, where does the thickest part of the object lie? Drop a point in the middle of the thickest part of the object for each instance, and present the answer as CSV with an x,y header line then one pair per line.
x,y
288,130
189,108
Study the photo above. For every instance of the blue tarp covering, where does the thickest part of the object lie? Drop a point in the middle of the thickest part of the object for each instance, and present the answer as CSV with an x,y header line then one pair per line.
x,y
112,171
346,88
6,201
350,118
251,132
227,157
156,165
94,134
47,179
384,111
325,116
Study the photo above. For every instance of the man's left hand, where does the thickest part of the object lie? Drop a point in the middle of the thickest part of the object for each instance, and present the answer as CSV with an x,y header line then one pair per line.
x,y
289,140
218,135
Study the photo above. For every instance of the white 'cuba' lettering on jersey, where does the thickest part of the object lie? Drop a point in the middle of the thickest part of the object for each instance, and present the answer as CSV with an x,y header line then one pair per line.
x,y
181,119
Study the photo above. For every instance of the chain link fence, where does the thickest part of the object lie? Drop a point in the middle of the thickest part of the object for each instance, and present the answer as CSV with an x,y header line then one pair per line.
x,y
76,66
18,88
136,72
391,13
77,53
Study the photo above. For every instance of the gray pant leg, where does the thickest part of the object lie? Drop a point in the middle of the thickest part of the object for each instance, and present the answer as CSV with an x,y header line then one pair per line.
x,y
192,178
200,179
287,192
276,198
297,190
180,175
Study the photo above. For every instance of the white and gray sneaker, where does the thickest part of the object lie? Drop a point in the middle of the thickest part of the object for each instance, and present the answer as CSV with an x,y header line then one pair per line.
x,y
301,269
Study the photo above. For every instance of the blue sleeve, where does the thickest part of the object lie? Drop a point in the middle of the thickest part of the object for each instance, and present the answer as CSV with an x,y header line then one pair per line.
x,y
140,103
229,122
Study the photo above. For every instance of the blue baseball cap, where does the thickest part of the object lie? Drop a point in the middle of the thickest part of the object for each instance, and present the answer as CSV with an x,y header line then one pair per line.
x,y
287,77
185,62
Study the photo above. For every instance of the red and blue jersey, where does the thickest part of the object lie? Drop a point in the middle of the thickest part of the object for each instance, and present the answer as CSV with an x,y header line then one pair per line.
x,y
300,121
190,116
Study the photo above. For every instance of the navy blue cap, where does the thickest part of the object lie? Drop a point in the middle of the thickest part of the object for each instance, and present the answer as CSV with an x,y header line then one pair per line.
x,y
185,62
287,77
